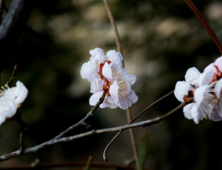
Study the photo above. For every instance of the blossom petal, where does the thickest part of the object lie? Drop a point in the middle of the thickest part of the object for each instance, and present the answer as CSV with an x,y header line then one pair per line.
x,y
97,55
181,89
114,57
20,92
2,119
205,78
107,71
194,114
192,75
96,85
218,88
114,91
95,98
108,102
216,114
210,68
131,79
218,63
187,110
88,71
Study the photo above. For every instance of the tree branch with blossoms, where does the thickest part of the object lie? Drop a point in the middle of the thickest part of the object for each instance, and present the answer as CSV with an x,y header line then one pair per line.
x,y
92,132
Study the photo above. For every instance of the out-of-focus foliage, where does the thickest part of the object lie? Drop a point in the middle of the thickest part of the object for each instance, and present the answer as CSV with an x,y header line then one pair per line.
x,y
161,40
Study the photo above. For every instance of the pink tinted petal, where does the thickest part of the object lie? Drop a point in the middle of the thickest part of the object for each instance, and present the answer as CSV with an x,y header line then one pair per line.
x,y
114,90
205,78
107,71
96,85
181,89
2,119
131,79
97,55
192,75
218,63
187,110
20,92
108,102
132,97
218,88
123,104
210,68
216,114
95,98
88,71
194,114
114,57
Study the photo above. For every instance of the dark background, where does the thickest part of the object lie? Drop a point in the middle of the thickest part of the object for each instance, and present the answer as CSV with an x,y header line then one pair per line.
x,y
161,39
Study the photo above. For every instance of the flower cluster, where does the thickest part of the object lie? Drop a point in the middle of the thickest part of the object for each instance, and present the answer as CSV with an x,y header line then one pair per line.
x,y
11,99
202,92
106,73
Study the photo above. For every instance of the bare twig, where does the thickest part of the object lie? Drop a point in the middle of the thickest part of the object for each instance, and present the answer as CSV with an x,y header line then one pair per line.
x,y
60,165
138,115
84,119
119,48
111,18
92,132
205,24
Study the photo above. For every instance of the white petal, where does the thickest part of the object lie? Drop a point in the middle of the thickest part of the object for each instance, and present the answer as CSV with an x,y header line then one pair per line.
x,y
187,110
107,71
114,91
132,97
108,102
96,85
2,119
181,89
114,57
216,114
210,68
218,63
205,78
194,114
131,79
97,55
218,88
192,75
95,98
20,92
88,71
8,109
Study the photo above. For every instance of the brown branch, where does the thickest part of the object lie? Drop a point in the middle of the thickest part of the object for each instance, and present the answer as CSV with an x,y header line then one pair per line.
x,y
111,18
138,115
60,165
205,24
119,48
92,132
84,119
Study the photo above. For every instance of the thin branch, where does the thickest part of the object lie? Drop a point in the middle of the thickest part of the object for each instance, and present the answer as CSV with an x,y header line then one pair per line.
x,y
205,24
60,165
88,163
119,48
92,132
138,115
111,18
133,139
84,119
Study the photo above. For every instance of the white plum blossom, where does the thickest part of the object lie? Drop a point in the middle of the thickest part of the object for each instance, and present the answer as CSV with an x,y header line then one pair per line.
x,y
11,99
202,92
105,73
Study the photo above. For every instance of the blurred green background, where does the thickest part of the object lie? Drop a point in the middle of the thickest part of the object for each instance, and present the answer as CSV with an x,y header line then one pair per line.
x,y
161,39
